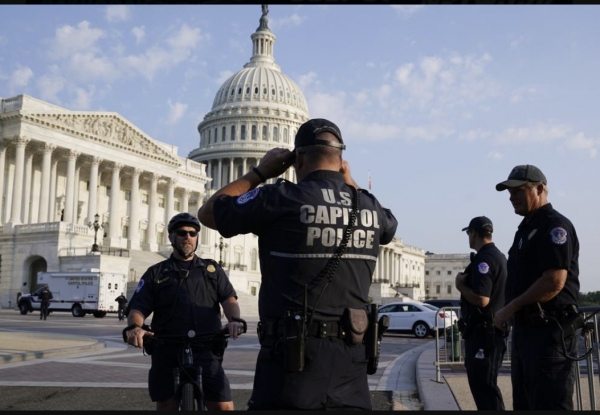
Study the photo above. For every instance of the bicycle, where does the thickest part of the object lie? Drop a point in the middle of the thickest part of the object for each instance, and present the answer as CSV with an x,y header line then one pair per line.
x,y
188,376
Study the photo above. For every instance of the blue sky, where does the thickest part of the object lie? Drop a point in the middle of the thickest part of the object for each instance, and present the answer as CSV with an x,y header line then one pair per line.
x,y
438,103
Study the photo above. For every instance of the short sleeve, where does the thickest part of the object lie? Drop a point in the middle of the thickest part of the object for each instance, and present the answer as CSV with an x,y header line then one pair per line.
x,y
555,249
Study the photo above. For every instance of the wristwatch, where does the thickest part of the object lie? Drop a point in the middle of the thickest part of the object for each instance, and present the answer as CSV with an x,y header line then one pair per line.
x,y
126,329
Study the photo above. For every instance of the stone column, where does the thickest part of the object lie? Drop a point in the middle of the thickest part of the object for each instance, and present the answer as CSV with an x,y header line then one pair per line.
x,y
209,173
52,196
115,192
244,166
3,145
17,197
77,185
93,195
231,170
45,189
70,191
169,210
152,245
134,211
26,186
220,174
185,200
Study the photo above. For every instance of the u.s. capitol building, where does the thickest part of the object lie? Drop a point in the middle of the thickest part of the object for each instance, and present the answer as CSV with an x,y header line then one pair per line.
x,y
63,170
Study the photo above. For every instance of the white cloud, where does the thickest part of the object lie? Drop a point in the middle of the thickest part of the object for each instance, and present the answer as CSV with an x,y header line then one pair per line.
x,y
516,42
50,85
20,78
580,142
521,93
307,80
223,76
117,13
69,40
139,32
83,98
177,111
495,155
155,59
86,67
473,135
407,10
289,21
538,133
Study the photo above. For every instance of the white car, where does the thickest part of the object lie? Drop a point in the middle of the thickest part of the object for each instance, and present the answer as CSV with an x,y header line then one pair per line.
x,y
416,317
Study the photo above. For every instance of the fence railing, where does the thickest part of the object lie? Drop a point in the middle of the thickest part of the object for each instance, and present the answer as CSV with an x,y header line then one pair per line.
x,y
82,250
451,352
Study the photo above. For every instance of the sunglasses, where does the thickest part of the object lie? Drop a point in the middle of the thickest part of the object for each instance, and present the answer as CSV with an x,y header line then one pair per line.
x,y
182,233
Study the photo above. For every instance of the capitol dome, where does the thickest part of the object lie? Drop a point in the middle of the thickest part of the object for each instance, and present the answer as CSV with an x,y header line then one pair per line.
x,y
255,110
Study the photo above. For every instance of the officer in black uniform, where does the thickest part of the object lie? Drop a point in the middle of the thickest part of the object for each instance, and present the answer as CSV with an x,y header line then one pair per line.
x,y
45,296
542,295
184,293
122,301
482,294
299,227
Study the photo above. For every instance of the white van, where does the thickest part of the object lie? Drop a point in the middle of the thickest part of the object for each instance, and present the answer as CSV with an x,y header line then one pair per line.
x,y
78,292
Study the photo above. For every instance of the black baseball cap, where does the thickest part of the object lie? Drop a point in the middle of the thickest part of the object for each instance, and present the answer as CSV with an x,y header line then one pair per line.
x,y
307,134
480,223
520,175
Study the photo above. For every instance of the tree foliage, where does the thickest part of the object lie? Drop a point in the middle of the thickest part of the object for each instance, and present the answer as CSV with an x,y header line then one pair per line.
x,y
591,298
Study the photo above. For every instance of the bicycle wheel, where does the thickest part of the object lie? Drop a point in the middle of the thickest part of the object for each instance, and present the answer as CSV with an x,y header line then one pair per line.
x,y
188,403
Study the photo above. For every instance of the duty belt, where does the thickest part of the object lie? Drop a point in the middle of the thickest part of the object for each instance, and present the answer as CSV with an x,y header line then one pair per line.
x,y
274,328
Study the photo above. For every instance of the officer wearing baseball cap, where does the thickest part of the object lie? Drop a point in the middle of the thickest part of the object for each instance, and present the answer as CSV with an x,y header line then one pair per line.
x,y
308,360
482,294
541,296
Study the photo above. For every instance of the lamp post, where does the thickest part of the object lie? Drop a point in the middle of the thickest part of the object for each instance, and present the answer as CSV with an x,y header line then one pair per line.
x,y
221,246
96,225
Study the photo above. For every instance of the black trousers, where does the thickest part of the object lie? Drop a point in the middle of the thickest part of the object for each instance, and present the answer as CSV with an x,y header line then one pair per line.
x,y
482,372
334,377
44,309
542,377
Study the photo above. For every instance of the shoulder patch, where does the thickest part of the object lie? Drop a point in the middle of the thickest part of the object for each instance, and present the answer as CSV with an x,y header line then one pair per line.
x,y
483,268
248,196
139,286
559,236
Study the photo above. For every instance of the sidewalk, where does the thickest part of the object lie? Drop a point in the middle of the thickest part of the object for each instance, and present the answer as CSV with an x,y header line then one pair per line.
x,y
414,366
18,346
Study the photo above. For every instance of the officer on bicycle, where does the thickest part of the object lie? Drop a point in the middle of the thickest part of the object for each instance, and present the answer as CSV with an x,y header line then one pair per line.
x,y
184,293
307,360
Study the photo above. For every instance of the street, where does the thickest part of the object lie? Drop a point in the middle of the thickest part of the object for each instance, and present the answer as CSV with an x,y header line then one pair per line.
x,y
115,378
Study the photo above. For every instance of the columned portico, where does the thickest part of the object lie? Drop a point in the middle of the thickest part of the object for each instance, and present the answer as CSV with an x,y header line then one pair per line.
x,y
151,244
2,168
171,182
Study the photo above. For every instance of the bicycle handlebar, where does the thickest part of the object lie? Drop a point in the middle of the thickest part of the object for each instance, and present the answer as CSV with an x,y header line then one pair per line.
x,y
191,337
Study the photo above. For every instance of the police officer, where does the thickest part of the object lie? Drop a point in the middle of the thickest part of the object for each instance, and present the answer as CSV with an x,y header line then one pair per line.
x,y
184,293
45,296
482,294
300,227
122,301
541,295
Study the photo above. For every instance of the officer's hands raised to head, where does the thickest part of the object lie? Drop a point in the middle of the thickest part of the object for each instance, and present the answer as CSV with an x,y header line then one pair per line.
x,y
275,162
345,170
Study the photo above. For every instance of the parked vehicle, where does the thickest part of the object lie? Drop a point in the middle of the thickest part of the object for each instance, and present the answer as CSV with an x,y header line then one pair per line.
x,y
77,292
416,317
455,304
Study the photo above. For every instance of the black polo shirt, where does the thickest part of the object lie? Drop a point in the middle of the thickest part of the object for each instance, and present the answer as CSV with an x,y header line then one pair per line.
x,y
182,303
487,278
546,241
299,227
